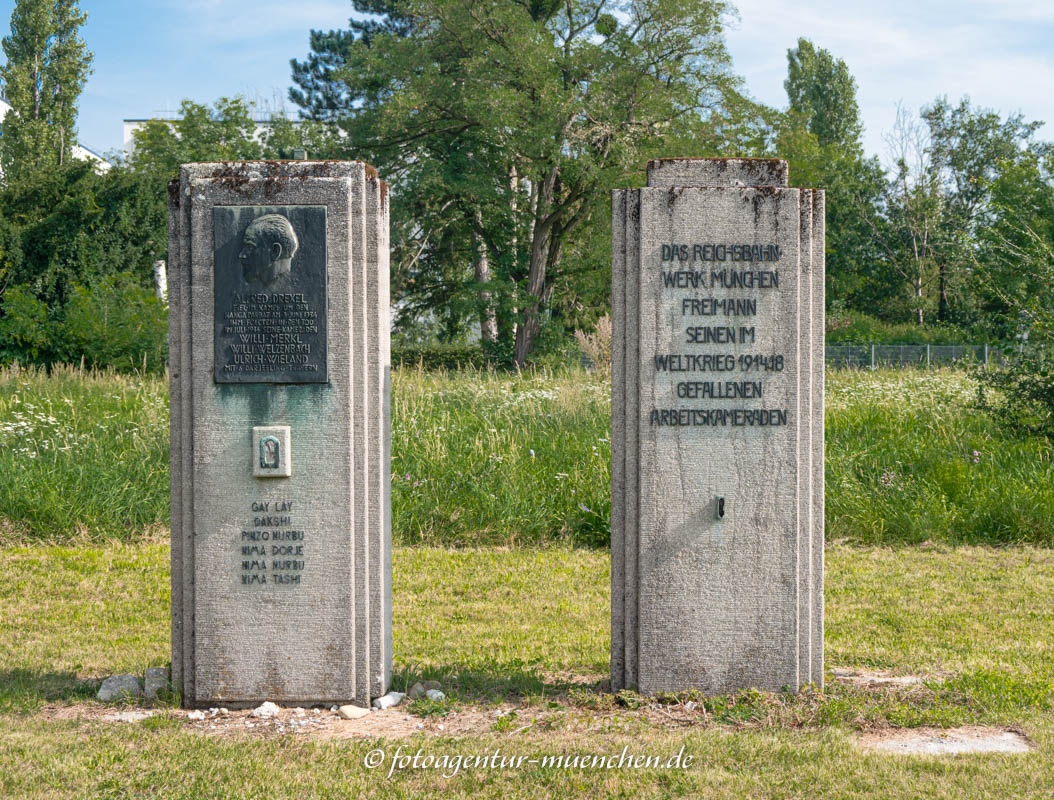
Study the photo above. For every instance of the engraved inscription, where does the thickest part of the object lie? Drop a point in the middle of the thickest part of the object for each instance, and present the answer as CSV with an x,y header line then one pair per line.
x,y
726,340
270,294
272,549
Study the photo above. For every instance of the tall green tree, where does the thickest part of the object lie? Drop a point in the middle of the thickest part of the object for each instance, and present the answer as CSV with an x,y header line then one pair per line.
x,y
321,90
821,90
821,136
47,66
75,225
508,121
960,170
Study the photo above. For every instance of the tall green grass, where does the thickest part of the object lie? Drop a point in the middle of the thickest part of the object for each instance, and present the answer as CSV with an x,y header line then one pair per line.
x,y
910,460
853,327
500,458
82,453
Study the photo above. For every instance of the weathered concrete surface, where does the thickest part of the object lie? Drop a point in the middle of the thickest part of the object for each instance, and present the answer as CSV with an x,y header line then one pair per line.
x,y
946,741
717,394
318,630
714,172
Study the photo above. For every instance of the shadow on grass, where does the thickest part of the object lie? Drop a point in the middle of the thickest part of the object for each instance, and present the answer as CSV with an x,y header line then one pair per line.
x,y
26,691
498,683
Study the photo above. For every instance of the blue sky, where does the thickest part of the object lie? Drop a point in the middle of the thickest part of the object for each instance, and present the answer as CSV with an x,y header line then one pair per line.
x,y
150,54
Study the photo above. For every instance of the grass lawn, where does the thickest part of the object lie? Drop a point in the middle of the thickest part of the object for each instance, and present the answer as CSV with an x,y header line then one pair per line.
x,y
938,526
504,459
529,628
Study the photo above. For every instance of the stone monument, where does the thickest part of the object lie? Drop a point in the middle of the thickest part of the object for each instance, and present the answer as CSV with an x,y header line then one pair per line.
x,y
281,524
717,429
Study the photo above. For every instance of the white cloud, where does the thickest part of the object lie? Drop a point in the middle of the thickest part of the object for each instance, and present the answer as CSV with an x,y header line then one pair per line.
x,y
996,52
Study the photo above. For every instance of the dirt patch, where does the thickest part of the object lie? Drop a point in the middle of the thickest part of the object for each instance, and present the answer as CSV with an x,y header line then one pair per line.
x,y
537,719
312,723
396,724
950,741
82,711
128,716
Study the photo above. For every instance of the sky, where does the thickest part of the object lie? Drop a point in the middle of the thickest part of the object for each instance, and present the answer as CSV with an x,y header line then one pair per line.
x,y
1000,53
151,54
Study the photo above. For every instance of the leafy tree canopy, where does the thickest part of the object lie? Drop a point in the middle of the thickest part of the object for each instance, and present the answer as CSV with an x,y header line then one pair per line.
x,y
505,123
822,91
225,132
47,66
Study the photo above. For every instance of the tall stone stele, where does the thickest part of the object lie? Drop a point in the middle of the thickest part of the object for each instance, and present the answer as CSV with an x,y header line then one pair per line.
x,y
281,524
717,429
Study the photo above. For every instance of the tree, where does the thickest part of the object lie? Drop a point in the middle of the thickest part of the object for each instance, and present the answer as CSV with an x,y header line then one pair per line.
x,y
940,203
1020,391
47,66
821,136
1020,231
968,148
75,225
822,91
324,94
509,121
225,132
914,208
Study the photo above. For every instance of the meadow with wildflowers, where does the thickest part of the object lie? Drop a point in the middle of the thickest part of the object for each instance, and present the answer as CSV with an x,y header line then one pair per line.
x,y
497,458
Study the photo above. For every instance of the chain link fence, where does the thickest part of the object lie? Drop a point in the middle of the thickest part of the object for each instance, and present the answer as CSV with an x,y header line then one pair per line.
x,y
873,356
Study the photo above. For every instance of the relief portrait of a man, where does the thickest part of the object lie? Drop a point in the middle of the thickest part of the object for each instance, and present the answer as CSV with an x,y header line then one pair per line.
x,y
267,250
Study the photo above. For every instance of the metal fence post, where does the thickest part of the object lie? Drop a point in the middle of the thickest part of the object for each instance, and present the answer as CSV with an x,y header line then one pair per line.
x,y
928,356
872,355
986,355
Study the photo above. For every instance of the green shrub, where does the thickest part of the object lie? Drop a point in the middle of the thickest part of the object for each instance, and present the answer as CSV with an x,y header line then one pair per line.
x,y
852,327
25,331
1019,394
115,322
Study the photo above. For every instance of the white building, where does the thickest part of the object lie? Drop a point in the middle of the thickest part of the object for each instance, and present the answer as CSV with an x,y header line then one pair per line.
x,y
83,153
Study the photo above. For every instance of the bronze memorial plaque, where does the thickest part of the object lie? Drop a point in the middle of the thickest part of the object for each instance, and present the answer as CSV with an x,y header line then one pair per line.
x,y
269,294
